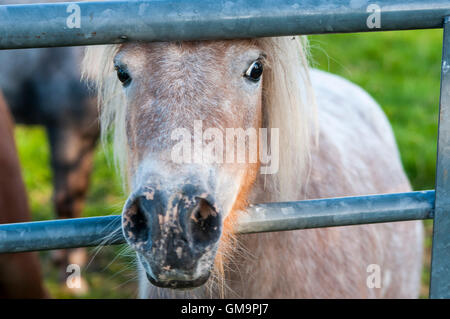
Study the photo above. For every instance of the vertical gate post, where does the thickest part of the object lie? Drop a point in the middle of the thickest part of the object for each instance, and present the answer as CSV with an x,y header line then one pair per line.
x,y
440,260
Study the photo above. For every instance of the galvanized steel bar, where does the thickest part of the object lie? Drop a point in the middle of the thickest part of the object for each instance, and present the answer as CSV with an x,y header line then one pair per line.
x,y
57,24
83,232
440,261
61,233
344,211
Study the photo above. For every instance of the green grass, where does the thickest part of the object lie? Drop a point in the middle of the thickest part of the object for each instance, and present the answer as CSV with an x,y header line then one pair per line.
x,y
401,70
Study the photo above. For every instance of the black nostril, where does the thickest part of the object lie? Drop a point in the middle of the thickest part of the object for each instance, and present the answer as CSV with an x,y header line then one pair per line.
x,y
135,224
204,223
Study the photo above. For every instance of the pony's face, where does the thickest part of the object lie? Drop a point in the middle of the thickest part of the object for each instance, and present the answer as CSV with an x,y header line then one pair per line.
x,y
183,198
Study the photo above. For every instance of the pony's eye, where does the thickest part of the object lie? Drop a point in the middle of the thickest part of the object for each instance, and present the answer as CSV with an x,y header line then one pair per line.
x,y
255,71
123,76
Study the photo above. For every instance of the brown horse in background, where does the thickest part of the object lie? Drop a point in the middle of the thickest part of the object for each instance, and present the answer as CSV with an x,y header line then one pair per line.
x,y
20,273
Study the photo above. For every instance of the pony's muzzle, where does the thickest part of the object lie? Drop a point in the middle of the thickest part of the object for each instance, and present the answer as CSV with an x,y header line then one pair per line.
x,y
175,234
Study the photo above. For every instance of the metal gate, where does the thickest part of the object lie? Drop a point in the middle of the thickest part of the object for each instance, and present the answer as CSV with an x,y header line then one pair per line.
x,y
89,23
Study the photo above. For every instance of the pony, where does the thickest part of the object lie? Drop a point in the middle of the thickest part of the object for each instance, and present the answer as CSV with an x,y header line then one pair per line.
x,y
180,216
42,87
20,273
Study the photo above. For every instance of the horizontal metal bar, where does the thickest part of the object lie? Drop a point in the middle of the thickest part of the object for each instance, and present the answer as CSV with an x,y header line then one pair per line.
x,y
88,23
343,211
94,231
62,233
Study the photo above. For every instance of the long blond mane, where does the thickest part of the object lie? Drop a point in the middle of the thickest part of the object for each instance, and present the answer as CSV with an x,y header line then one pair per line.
x,y
288,104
